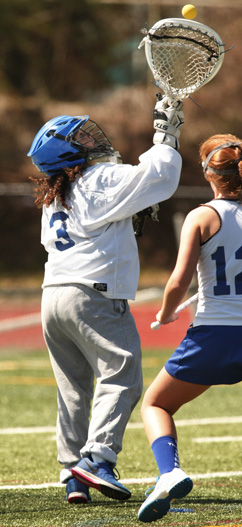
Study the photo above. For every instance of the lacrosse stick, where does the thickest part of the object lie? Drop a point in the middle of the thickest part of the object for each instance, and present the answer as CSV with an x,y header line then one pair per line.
x,y
183,55
156,325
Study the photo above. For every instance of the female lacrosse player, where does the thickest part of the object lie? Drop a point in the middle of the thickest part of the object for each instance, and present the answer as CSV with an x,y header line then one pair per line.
x,y
211,239
88,199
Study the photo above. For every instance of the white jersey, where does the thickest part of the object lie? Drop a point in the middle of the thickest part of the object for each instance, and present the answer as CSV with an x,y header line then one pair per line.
x,y
220,269
93,243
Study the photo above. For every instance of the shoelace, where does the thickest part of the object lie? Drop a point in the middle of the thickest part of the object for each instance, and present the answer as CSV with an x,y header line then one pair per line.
x,y
149,490
116,473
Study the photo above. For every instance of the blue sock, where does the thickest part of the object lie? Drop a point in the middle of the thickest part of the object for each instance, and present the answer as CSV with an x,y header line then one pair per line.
x,y
166,454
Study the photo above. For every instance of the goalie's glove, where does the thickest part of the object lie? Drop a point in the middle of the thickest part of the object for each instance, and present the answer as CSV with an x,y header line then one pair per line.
x,y
140,217
168,120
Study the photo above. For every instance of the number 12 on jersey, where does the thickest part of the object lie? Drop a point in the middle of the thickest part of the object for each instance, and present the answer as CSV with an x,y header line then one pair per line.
x,y
222,287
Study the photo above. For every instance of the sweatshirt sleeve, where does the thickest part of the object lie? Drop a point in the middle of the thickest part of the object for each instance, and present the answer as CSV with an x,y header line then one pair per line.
x,y
113,192
153,180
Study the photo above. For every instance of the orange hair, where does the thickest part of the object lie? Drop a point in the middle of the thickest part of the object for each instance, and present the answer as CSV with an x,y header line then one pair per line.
x,y
227,162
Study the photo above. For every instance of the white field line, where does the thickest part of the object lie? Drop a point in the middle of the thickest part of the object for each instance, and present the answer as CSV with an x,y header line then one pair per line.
x,y
179,422
34,319
139,481
201,421
28,430
207,475
147,295
218,439
22,321
129,481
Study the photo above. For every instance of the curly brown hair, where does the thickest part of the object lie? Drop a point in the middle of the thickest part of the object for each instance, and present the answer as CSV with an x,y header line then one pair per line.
x,y
57,186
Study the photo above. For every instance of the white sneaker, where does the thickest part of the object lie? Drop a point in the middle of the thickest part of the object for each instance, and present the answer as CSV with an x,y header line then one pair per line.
x,y
172,485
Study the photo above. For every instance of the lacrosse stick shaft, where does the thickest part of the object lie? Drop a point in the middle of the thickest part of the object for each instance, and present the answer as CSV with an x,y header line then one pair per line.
x,y
156,325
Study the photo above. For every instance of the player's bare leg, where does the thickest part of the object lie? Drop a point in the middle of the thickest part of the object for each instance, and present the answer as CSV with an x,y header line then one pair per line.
x,y
162,399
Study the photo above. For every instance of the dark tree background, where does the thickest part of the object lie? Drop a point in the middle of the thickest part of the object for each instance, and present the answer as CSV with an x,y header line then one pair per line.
x,y
76,57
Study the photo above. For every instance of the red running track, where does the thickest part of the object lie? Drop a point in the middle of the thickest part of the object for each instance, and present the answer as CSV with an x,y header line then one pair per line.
x,y
32,338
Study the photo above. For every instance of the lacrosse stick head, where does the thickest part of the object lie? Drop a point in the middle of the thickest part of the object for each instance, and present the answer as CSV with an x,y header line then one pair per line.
x,y
183,55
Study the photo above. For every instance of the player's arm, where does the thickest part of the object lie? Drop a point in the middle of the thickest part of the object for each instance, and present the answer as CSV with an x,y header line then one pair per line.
x,y
199,225
182,274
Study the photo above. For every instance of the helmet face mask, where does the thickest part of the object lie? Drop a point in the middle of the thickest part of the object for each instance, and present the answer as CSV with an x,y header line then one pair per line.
x,y
91,138
67,141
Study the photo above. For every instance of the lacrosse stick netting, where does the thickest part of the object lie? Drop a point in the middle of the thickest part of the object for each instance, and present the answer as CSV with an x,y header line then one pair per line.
x,y
182,55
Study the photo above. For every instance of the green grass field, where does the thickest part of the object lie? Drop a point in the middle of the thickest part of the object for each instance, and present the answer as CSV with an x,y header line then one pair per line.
x,y
28,400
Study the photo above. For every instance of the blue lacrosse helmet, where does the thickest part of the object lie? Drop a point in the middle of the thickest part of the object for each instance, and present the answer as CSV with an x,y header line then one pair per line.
x,y
57,145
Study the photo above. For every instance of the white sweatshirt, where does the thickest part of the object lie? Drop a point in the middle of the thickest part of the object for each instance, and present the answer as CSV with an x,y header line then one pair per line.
x,y
93,243
220,269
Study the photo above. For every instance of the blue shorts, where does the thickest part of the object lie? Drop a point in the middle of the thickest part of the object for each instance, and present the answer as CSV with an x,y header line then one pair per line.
x,y
208,355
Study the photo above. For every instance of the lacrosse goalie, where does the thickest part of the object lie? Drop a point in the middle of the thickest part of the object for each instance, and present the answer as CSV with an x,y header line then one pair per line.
x,y
88,199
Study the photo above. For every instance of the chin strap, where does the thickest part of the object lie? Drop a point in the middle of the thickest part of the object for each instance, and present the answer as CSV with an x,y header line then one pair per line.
x,y
106,158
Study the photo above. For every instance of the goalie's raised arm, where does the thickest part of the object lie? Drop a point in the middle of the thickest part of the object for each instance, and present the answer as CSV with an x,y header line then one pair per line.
x,y
168,120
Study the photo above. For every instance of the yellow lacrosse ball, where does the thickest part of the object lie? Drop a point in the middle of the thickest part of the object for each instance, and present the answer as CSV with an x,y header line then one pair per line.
x,y
189,11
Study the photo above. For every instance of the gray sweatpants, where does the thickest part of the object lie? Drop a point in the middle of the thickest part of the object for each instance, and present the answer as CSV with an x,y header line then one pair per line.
x,y
91,337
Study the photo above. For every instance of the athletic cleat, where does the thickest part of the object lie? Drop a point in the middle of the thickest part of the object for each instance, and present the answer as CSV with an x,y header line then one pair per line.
x,y
77,492
101,477
172,485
